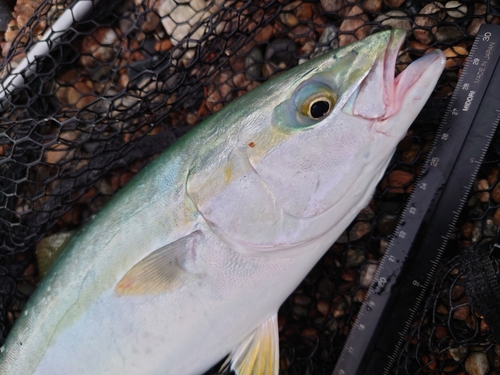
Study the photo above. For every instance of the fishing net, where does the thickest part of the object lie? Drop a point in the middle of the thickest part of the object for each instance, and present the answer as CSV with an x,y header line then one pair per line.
x,y
128,78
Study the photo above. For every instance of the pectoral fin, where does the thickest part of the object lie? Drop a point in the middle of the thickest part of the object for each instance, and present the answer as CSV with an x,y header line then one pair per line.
x,y
258,354
161,271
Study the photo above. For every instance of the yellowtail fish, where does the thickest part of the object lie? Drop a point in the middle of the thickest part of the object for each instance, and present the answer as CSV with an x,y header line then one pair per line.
x,y
190,262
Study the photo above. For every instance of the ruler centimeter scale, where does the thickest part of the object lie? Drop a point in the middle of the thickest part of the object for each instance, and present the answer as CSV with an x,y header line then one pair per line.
x,y
402,279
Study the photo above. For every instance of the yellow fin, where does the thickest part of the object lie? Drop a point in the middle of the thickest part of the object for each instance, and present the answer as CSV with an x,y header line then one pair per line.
x,y
258,354
161,271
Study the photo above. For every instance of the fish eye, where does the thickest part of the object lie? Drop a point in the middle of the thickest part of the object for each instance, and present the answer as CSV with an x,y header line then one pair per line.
x,y
319,105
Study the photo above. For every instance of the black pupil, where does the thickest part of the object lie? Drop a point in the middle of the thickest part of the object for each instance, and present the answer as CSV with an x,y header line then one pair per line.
x,y
319,108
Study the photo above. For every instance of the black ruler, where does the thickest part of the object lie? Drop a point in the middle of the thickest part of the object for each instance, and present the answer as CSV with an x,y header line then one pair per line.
x,y
406,271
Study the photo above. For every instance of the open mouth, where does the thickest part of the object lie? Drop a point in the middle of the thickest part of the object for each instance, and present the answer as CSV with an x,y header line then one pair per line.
x,y
381,76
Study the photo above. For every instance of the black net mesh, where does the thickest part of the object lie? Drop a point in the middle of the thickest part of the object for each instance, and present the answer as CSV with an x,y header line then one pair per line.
x,y
126,81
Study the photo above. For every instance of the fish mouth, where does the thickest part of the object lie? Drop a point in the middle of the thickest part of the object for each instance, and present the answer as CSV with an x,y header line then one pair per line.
x,y
421,75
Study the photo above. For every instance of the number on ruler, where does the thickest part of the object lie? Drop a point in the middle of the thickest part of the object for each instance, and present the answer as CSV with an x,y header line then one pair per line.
x,y
465,86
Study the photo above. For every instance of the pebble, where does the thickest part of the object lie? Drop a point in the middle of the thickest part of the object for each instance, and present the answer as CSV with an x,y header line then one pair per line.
x,y
495,193
355,257
279,55
360,295
179,19
366,274
398,182
394,3
483,195
354,27
496,217
477,364
455,56
428,18
328,41
455,9
449,34
359,229
386,222
253,64
286,15
323,307
332,5
458,353
372,6
395,19
99,47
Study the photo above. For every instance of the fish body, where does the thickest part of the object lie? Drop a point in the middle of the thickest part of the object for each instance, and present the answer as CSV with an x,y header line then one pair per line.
x,y
191,260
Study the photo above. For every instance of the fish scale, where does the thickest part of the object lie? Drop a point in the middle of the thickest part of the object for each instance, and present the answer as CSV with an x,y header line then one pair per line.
x,y
406,271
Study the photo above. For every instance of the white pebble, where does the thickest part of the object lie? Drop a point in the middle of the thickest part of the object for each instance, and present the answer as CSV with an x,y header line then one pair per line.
x,y
455,9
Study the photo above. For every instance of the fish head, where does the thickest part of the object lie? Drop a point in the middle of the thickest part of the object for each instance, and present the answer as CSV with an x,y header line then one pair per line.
x,y
304,151
337,124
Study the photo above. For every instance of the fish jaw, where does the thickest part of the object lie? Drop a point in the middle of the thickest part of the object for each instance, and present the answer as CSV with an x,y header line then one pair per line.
x,y
416,81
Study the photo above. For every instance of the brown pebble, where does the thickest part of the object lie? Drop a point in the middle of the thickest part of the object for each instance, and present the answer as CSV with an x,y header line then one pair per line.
x,y
359,229
398,182
477,364
265,34
349,275
467,229
495,193
411,155
483,195
360,295
394,3
287,16
440,332
461,313
474,26
483,326
496,217
372,6
309,332
332,5
429,17
455,56
323,307
353,27
304,11
396,19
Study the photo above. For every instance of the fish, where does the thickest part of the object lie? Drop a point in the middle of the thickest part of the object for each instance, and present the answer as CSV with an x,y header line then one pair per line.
x,y
189,263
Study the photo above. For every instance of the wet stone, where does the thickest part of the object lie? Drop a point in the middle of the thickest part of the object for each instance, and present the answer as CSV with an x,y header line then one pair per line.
x,y
253,64
395,19
355,257
327,42
386,222
455,9
332,5
476,364
280,55
359,229
366,275
458,353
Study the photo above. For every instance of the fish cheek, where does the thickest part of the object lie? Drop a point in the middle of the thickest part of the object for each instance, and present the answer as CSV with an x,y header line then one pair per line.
x,y
311,170
233,199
